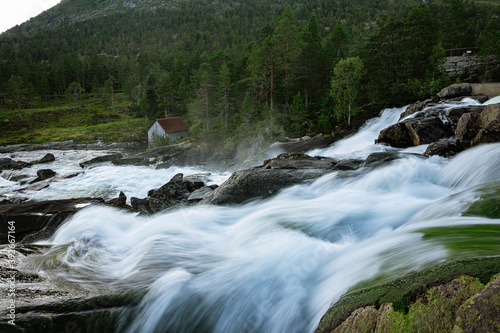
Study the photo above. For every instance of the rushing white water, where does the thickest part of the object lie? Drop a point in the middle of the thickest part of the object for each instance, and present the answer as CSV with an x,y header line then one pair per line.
x,y
99,181
276,265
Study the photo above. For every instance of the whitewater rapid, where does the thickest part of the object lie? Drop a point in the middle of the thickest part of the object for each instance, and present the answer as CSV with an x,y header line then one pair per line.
x,y
276,265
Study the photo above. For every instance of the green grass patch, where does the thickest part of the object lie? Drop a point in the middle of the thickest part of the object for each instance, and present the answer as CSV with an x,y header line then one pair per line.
x,y
86,124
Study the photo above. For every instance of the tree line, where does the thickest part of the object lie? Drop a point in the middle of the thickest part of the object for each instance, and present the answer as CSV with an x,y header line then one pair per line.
x,y
228,68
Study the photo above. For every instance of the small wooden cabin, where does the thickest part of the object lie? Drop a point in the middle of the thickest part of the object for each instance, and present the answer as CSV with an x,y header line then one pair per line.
x,y
171,128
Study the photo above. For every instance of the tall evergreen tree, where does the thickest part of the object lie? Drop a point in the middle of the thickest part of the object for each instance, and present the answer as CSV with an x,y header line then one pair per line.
x,y
313,61
420,37
287,47
457,29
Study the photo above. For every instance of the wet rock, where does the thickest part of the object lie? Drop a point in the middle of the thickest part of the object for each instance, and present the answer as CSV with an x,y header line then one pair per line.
x,y
481,313
130,161
396,135
51,305
101,159
46,159
175,192
467,128
444,149
414,132
298,161
18,178
139,205
453,115
200,194
488,134
350,164
39,220
415,107
456,90
258,183
120,202
10,164
45,174
473,128
380,158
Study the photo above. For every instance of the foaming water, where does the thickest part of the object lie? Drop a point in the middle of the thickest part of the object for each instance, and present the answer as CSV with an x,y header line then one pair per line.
x,y
277,265
269,266
360,145
99,181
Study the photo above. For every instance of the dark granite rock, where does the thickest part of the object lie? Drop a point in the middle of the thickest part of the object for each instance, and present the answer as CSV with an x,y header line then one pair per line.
x,y
444,149
38,220
101,159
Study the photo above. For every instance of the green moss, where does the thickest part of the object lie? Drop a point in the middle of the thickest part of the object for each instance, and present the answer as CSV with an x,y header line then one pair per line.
x,y
401,292
8,328
488,204
469,240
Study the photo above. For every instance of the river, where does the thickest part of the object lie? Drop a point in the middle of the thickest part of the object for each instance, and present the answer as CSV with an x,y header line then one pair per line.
x,y
273,265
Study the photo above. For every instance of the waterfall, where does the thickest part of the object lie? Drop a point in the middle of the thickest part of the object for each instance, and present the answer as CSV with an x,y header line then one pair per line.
x,y
276,265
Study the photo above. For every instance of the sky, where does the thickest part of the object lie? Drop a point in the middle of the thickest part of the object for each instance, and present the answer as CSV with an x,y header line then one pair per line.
x,y
14,12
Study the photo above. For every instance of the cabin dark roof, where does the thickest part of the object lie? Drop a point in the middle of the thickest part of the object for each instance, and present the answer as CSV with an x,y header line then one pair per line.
x,y
172,125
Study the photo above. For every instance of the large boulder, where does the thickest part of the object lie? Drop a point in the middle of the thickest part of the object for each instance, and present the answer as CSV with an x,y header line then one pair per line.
x,y
414,132
175,192
46,159
442,148
267,180
454,115
456,90
10,164
45,174
473,128
38,220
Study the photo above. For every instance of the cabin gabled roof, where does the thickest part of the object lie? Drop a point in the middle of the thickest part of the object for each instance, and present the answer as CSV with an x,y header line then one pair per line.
x,y
172,125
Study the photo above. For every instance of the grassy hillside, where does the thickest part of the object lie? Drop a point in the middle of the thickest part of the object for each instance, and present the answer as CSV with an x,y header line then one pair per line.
x,y
88,123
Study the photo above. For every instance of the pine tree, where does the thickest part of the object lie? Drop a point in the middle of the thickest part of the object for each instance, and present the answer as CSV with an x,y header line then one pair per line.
x,y
313,61
287,47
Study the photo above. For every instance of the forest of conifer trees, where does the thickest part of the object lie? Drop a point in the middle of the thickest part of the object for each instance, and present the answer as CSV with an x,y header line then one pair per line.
x,y
269,68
